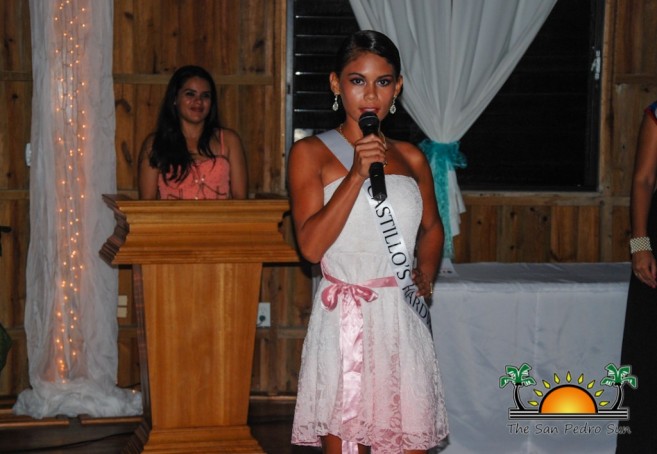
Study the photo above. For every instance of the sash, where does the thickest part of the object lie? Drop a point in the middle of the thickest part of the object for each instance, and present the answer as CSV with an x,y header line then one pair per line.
x,y
386,222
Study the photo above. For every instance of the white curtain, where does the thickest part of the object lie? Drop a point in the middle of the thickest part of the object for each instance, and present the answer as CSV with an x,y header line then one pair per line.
x,y
70,313
456,55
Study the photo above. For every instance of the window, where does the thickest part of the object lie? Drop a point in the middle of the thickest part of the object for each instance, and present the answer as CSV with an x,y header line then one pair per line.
x,y
538,133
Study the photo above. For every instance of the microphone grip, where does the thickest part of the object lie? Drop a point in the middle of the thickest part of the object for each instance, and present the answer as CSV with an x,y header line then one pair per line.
x,y
377,178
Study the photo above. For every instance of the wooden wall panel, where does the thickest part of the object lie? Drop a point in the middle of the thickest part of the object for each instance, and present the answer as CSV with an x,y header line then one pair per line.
x,y
620,236
125,141
14,212
15,53
15,118
634,44
278,349
563,244
124,27
589,234
128,373
478,239
575,233
522,236
137,106
529,228
14,376
253,124
629,100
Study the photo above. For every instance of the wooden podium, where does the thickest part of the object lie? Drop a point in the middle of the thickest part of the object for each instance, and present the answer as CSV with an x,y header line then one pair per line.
x,y
200,264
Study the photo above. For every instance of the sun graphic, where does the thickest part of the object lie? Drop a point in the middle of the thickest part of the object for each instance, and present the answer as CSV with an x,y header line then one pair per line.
x,y
568,398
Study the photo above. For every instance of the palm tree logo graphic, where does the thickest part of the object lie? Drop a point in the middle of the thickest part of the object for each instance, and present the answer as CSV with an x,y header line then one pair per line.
x,y
518,377
569,399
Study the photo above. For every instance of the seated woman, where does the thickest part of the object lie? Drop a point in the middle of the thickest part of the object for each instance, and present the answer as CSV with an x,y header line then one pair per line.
x,y
190,156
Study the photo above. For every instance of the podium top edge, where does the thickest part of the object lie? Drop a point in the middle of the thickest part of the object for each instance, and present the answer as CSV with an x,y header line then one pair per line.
x,y
124,199
122,202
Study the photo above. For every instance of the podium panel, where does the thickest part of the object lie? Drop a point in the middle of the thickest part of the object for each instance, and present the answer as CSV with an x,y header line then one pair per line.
x,y
198,266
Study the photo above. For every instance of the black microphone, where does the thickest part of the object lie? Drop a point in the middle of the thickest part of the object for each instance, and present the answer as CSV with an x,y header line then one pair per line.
x,y
369,124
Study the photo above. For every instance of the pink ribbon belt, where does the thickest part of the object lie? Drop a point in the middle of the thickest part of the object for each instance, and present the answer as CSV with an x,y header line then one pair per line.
x,y
351,332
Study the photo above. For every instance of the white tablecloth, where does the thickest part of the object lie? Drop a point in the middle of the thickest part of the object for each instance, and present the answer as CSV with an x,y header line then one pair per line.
x,y
556,318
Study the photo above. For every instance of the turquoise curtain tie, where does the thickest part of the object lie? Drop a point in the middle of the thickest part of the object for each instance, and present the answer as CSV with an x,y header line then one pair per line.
x,y
442,158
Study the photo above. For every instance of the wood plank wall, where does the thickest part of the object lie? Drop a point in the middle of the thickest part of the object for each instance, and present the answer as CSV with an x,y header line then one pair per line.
x,y
15,118
242,43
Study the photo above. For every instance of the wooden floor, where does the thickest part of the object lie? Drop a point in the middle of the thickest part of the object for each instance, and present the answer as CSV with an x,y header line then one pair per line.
x,y
270,421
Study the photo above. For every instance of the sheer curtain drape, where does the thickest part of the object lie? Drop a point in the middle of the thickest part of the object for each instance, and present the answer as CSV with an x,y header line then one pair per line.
x,y
70,313
456,55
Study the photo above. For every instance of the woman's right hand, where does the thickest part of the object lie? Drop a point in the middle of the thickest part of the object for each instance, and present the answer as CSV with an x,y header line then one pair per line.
x,y
368,150
644,267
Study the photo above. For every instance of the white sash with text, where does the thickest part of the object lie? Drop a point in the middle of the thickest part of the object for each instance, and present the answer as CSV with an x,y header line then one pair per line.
x,y
398,254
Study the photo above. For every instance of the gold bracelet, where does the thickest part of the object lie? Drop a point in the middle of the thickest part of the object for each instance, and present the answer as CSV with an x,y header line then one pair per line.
x,y
641,243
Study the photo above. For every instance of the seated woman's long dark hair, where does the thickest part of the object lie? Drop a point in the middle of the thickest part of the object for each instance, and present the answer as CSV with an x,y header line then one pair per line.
x,y
169,151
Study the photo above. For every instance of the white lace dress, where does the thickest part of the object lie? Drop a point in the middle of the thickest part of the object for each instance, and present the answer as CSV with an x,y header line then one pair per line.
x,y
392,398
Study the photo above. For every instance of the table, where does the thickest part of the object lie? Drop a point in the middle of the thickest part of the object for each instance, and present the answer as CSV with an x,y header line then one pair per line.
x,y
564,320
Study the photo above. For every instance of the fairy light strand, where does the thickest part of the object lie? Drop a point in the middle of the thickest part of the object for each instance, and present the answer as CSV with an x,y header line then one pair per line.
x,y
70,23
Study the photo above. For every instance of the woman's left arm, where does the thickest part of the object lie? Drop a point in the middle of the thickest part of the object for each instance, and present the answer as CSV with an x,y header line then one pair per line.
x,y
148,176
429,247
238,173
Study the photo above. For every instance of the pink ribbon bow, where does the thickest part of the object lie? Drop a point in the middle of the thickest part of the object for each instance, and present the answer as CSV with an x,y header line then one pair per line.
x,y
351,332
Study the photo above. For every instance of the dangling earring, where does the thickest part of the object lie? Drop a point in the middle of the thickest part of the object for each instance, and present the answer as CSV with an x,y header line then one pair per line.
x,y
335,106
393,108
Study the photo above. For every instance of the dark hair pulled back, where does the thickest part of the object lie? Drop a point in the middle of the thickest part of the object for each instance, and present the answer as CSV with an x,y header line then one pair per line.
x,y
367,41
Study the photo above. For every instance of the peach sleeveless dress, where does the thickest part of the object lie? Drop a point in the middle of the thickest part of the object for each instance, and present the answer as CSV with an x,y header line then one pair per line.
x,y
208,179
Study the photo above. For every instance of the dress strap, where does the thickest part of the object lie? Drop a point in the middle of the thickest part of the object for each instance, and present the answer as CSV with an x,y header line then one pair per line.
x,y
339,146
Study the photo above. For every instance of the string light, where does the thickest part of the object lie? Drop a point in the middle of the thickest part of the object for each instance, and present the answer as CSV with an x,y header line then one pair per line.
x,y
71,91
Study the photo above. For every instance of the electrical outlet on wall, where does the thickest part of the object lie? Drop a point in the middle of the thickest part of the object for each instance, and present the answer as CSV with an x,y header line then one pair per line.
x,y
264,315
122,309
